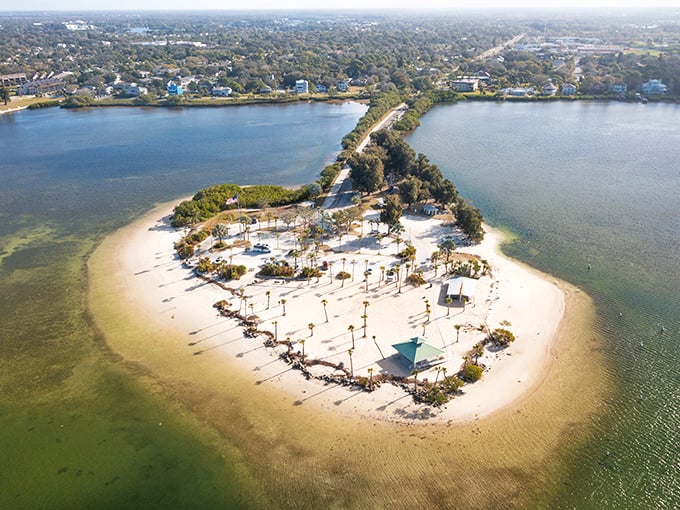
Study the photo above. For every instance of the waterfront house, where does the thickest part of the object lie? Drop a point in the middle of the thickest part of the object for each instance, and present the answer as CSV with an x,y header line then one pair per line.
x,y
549,89
618,88
134,90
417,351
221,91
654,88
174,89
301,86
465,84
321,88
568,89
430,209
342,86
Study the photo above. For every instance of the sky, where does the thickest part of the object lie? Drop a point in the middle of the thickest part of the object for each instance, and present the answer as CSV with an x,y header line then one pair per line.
x,y
89,5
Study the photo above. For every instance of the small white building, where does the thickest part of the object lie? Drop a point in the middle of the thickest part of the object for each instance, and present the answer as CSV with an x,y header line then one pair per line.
x,y
221,91
461,288
134,90
301,86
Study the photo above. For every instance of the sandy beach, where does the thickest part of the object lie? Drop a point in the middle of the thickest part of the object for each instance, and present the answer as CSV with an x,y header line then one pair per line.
x,y
170,297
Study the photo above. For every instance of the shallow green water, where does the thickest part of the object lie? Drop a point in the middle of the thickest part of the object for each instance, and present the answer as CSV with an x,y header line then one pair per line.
x,y
79,428
592,184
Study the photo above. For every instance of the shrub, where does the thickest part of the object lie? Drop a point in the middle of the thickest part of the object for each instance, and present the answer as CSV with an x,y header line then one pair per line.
x,y
185,250
415,279
472,372
232,271
343,275
274,269
502,337
310,272
451,384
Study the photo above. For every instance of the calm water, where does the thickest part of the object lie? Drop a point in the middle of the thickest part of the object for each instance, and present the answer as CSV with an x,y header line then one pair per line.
x,y
578,183
598,184
78,429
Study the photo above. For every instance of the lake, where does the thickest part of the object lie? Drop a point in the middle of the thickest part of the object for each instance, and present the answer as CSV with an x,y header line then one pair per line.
x,y
591,192
581,185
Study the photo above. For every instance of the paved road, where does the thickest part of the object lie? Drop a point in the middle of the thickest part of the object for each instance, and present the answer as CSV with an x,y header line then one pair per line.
x,y
340,194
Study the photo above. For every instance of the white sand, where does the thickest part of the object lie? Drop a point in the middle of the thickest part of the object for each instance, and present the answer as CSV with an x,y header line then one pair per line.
x,y
171,298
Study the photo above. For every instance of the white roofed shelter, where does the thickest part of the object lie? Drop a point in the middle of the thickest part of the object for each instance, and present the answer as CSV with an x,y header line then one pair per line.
x,y
461,288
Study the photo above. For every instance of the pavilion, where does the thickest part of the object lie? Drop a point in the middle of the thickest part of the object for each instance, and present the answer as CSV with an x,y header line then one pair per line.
x,y
417,350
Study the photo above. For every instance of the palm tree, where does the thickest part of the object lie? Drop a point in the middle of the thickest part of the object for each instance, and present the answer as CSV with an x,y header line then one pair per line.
x,y
330,271
364,316
398,279
437,377
354,263
311,328
220,231
424,325
282,302
365,303
378,347
276,330
380,238
458,326
435,261
302,342
428,311
370,379
269,295
350,328
382,273
252,308
448,300
343,263
324,302
351,365
415,373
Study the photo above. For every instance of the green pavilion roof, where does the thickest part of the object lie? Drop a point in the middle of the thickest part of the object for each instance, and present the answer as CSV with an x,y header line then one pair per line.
x,y
417,350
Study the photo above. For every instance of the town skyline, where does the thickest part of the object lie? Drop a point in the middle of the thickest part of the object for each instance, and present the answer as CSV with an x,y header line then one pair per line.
x,y
177,5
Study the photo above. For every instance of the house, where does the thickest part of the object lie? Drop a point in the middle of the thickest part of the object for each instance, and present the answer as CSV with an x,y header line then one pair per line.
x,y
301,86
618,88
321,88
517,91
221,91
174,89
430,209
461,288
465,84
134,90
549,89
568,89
265,90
342,86
654,88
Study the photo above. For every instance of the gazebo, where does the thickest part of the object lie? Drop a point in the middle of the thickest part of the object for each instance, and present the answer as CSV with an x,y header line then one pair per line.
x,y
417,350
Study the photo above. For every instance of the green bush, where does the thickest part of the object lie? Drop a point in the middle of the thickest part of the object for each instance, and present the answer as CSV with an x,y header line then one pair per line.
x,y
472,372
232,271
310,272
185,250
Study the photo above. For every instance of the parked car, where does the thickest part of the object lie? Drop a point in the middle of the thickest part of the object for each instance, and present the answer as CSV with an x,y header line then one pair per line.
x,y
324,265
262,248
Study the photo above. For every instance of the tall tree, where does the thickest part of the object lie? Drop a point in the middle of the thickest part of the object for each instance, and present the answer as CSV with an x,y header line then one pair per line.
x,y
391,212
367,172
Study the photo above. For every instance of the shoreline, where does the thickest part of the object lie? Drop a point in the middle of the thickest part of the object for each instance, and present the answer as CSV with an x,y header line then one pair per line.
x,y
519,448
171,299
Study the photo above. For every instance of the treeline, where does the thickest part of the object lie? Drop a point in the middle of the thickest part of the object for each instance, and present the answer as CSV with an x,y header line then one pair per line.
x,y
379,106
208,202
390,160
420,105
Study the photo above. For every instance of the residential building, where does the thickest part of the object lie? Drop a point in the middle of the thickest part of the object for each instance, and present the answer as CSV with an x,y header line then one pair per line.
x,y
654,88
39,87
221,91
12,80
619,88
342,86
465,84
134,90
301,86
321,88
549,89
174,89
568,89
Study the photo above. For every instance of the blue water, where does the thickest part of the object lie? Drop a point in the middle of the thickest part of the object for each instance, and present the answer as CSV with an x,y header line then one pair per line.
x,y
80,427
592,184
